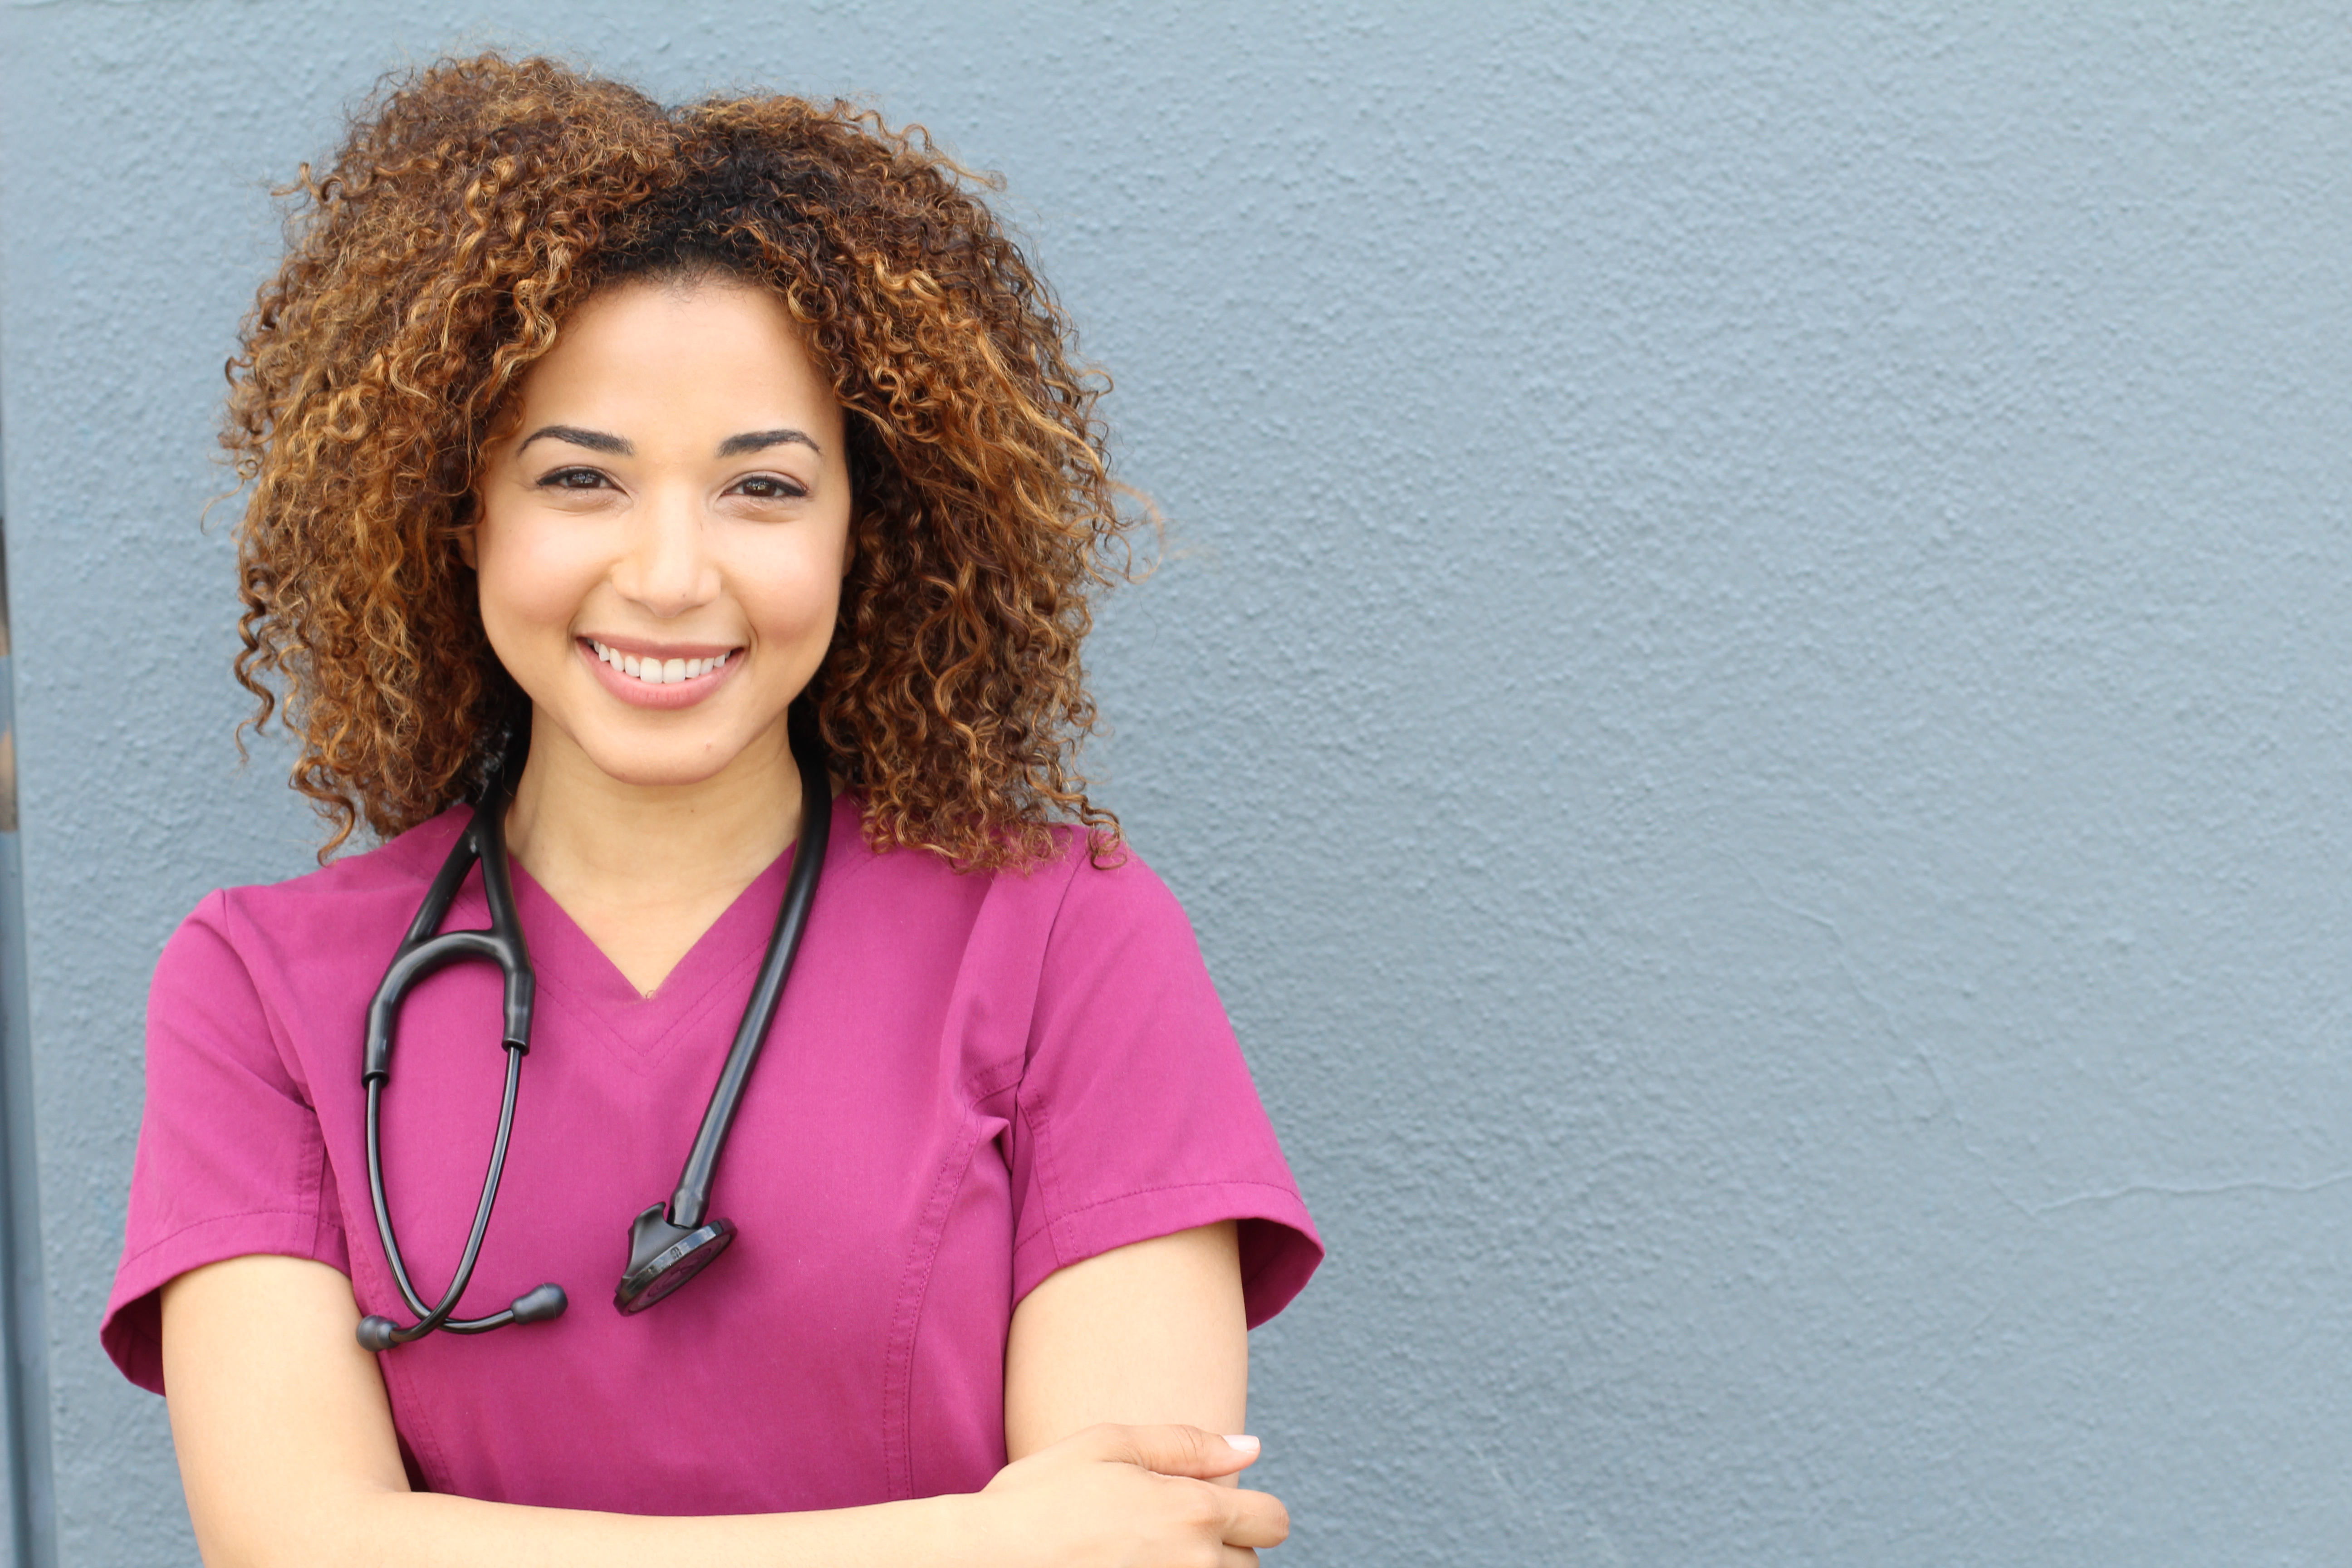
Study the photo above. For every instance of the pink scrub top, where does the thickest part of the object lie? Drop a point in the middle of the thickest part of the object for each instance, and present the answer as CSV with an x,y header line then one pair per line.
x,y
973,1080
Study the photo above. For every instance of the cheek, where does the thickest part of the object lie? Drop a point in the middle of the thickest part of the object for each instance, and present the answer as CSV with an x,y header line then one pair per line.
x,y
797,607
528,583
792,589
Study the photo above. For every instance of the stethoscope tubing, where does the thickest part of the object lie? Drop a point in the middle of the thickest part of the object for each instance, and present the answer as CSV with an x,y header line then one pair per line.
x,y
669,1244
438,1315
691,1201
420,953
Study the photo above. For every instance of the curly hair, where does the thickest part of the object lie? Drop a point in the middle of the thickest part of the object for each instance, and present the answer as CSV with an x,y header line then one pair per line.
x,y
473,207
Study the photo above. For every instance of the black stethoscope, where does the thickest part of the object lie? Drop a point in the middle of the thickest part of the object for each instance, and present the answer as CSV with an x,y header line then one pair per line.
x,y
671,1243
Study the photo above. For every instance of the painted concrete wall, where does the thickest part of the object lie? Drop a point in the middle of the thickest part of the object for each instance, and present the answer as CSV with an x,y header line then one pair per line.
x,y
1750,701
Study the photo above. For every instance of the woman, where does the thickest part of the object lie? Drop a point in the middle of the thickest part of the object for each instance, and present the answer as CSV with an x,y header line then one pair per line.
x,y
589,444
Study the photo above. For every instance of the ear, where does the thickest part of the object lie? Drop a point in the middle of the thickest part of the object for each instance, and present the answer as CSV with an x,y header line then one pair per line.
x,y
468,549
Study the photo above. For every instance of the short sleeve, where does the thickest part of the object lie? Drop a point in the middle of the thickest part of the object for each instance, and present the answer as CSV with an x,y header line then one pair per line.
x,y
231,1160
1136,1115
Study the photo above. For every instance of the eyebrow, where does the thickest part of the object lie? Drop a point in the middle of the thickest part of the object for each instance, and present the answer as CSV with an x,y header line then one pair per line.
x,y
733,446
595,440
761,440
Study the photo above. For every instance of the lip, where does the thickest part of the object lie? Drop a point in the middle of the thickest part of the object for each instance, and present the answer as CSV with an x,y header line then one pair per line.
x,y
667,696
643,649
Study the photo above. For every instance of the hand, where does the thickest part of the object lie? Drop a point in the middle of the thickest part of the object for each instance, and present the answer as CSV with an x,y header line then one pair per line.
x,y
1132,1497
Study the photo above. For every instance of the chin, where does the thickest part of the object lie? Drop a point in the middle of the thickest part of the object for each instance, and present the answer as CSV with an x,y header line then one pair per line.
x,y
657,766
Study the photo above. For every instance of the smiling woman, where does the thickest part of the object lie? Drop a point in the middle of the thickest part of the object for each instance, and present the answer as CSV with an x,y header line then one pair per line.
x,y
662,582
687,518
637,519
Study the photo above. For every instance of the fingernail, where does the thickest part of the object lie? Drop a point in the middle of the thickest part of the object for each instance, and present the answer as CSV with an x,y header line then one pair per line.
x,y
1243,1441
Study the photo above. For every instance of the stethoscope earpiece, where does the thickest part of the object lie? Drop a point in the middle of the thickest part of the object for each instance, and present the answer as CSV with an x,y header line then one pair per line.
x,y
540,1303
536,1305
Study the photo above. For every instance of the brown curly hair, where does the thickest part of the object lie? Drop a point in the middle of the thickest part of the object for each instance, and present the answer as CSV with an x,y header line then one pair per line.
x,y
473,205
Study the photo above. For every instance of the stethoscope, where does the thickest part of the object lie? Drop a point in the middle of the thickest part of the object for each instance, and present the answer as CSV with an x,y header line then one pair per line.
x,y
671,1243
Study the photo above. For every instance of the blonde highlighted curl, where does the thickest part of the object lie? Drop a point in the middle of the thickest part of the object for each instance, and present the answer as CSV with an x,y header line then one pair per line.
x,y
471,210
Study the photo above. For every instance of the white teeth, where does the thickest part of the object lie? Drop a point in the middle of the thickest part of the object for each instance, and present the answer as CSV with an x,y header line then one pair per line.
x,y
657,671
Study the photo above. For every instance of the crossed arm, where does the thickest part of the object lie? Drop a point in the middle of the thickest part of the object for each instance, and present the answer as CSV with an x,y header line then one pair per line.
x,y
286,1449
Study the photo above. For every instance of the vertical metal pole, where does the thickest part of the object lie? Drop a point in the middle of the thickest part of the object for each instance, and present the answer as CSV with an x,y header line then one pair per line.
x,y
23,1325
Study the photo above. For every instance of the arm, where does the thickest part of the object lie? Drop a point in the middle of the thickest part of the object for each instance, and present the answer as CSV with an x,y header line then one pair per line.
x,y
287,1452
1150,1333
287,1455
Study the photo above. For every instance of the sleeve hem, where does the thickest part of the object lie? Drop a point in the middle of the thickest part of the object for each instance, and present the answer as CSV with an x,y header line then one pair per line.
x,y
1279,1247
133,1329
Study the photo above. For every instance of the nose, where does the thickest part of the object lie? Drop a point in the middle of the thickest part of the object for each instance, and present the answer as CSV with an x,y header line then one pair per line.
x,y
668,567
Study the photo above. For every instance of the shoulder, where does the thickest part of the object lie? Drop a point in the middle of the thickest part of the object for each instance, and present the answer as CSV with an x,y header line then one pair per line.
x,y
1076,887
1113,888
290,926
1072,912
1075,875
1103,918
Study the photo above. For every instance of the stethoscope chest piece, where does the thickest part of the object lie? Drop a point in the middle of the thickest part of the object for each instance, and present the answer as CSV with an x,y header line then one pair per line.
x,y
663,1257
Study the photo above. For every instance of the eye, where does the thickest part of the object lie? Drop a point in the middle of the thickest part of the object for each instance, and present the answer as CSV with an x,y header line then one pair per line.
x,y
572,479
770,487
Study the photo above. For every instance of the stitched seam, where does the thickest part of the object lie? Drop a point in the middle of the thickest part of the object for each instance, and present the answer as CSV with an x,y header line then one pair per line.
x,y
1051,1225
282,1038
1249,1279
1174,1187
1035,1112
194,1226
1042,1158
318,1216
914,1289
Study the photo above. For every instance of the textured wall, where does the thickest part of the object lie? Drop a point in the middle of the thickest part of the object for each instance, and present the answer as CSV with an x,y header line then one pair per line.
x,y
1750,703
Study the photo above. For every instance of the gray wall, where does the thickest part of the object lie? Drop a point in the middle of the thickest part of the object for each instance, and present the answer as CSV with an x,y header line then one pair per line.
x,y
1750,701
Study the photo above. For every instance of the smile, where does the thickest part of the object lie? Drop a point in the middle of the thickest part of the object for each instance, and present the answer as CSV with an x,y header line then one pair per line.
x,y
657,671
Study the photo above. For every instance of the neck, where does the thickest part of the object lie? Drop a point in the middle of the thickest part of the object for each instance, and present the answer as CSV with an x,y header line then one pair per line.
x,y
643,869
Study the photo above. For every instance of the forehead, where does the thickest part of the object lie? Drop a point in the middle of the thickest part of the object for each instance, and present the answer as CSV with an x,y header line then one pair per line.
x,y
680,349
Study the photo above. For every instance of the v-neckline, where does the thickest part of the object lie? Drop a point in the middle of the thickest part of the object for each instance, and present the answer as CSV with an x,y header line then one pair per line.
x,y
711,979
559,942
714,975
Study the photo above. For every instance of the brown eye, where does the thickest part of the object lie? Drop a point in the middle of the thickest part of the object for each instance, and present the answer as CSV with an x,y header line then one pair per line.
x,y
572,479
767,487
